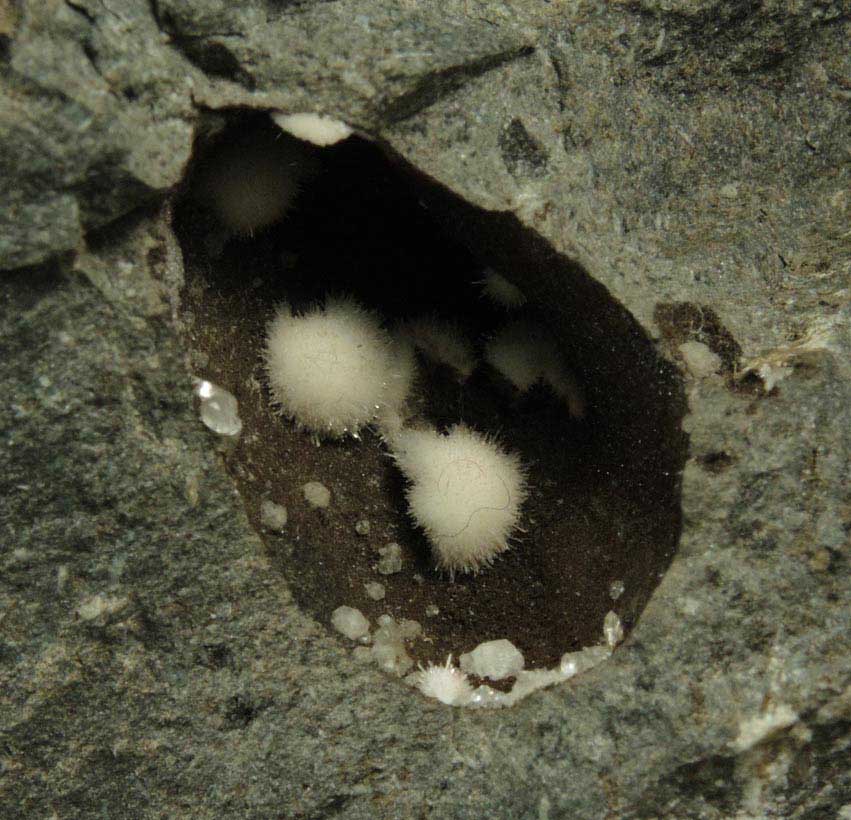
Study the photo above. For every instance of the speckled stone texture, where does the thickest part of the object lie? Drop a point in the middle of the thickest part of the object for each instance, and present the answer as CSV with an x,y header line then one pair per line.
x,y
691,155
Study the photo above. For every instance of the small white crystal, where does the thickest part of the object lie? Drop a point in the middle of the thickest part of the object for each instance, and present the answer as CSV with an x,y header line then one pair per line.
x,y
350,622
273,516
409,629
612,629
311,127
219,409
484,697
531,681
392,658
494,660
572,663
616,589
699,359
362,527
388,647
316,494
375,590
391,559
431,610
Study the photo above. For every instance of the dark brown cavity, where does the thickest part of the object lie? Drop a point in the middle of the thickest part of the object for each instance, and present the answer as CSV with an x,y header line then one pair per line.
x,y
605,492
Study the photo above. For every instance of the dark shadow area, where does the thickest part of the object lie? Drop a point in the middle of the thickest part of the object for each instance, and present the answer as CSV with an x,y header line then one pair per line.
x,y
605,491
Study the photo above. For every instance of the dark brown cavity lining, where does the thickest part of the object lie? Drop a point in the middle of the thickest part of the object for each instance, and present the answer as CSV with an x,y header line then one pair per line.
x,y
605,492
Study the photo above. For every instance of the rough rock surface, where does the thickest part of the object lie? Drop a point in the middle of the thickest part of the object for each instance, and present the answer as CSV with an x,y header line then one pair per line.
x,y
692,156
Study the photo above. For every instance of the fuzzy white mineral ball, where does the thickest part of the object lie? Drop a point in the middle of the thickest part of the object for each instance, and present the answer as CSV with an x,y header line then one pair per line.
x,y
464,490
521,354
250,183
525,355
441,341
446,683
566,387
393,414
333,369
499,290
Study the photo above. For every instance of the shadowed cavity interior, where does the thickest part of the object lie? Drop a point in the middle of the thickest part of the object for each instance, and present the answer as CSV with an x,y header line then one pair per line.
x,y
604,491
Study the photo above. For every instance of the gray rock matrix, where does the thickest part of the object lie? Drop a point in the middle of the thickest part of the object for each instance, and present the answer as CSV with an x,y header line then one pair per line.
x,y
684,152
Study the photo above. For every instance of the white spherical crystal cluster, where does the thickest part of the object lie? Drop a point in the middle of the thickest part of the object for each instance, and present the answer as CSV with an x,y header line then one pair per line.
x,y
392,414
251,182
524,355
445,683
441,341
465,491
333,369
499,290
